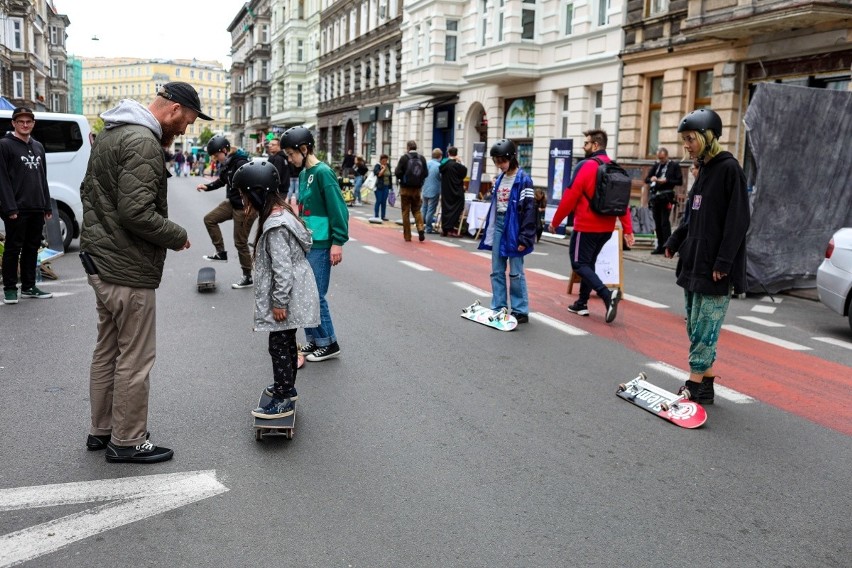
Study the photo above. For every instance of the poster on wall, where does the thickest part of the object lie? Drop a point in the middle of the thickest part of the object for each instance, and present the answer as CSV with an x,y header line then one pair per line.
x,y
559,168
520,119
476,164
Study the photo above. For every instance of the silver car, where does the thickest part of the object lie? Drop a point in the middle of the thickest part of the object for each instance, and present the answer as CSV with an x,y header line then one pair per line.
x,y
834,276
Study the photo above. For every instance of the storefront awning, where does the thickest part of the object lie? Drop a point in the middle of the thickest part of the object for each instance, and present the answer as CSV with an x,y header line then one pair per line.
x,y
434,102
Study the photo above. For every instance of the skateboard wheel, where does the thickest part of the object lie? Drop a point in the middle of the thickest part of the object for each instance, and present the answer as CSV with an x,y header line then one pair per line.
x,y
665,407
258,434
289,434
621,388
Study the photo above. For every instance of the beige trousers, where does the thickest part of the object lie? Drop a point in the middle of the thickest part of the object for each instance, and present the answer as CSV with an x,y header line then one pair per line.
x,y
124,354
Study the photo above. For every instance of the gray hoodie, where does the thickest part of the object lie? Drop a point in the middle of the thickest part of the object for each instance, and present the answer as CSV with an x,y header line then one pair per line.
x,y
129,111
282,276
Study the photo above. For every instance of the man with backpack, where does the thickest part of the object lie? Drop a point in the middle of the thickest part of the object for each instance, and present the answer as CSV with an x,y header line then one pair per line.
x,y
411,172
595,206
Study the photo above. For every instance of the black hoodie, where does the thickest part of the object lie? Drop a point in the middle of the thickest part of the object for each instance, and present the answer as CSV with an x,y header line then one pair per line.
x,y
23,176
713,237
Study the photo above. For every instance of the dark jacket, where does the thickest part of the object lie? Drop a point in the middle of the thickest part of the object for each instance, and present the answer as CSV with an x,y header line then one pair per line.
x,y
402,165
231,165
520,222
23,176
672,174
713,239
281,164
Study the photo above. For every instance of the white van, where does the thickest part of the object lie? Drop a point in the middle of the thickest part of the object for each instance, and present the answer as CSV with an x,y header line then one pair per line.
x,y
67,141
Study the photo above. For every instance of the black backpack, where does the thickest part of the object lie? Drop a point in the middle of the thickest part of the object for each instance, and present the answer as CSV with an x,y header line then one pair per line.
x,y
415,171
612,190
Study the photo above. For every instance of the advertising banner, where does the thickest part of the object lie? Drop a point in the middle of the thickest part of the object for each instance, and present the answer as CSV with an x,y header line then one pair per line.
x,y
476,165
559,168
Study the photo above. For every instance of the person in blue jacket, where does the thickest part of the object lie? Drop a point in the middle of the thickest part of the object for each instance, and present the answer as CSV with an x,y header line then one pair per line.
x,y
509,231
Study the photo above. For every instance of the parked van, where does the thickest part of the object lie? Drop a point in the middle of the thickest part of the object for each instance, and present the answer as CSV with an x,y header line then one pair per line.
x,y
67,141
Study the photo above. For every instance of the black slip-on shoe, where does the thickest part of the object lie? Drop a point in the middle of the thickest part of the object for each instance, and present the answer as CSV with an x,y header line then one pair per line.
x,y
143,453
95,443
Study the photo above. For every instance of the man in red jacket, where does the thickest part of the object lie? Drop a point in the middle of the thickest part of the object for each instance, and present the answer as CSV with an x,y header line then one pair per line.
x,y
591,231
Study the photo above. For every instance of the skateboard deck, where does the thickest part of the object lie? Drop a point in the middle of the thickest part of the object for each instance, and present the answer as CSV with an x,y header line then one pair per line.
x,y
206,279
284,426
667,405
499,319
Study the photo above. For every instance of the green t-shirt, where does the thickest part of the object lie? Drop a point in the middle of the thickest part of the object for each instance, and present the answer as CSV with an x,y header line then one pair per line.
x,y
322,206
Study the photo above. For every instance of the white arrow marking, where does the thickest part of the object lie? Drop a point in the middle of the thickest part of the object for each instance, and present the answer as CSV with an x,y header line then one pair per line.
x,y
132,499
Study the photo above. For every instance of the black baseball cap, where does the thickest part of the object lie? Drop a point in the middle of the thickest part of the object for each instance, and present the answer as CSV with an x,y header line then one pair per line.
x,y
184,94
20,111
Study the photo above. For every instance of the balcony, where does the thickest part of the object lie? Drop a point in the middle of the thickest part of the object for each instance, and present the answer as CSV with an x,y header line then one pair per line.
x,y
434,79
502,64
258,50
746,19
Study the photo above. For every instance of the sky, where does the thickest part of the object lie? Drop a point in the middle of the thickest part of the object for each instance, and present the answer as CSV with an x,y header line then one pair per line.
x,y
171,29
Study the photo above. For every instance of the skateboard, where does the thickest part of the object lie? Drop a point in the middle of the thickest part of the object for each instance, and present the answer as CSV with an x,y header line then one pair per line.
x,y
283,426
667,405
499,319
207,279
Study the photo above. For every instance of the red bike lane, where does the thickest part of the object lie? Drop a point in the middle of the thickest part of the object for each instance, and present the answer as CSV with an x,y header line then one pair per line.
x,y
802,384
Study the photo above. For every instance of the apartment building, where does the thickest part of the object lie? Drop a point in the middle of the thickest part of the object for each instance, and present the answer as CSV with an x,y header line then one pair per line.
x,y
251,75
528,70
295,63
359,77
32,55
108,80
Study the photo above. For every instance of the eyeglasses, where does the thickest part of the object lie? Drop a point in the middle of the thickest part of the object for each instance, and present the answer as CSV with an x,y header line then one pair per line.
x,y
25,122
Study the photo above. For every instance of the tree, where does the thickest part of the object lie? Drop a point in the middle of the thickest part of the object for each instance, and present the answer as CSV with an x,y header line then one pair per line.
x,y
205,136
98,126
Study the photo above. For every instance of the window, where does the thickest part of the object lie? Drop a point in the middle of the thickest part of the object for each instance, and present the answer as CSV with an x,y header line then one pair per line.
x,y
528,20
17,34
264,70
300,51
483,23
596,100
451,41
568,11
18,84
264,33
703,88
58,135
415,46
501,9
177,72
299,98
54,68
565,115
655,7
655,105
54,35
603,7
264,106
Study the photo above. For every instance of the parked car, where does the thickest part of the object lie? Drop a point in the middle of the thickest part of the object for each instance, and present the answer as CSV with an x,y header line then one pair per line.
x,y
834,276
67,141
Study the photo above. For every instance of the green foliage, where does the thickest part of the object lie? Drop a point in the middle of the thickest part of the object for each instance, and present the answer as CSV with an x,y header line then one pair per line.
x,y
98,126
205,136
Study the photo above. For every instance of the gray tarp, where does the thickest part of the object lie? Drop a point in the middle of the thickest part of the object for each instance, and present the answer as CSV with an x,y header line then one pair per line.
x,y
801,140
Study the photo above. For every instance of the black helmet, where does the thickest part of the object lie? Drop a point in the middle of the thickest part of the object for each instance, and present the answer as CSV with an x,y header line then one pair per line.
x,y
702,120
503,149
218,144
257,178
297,136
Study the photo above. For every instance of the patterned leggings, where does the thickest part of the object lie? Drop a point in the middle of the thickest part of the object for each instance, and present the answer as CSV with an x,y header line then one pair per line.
x,y
285,357
704,317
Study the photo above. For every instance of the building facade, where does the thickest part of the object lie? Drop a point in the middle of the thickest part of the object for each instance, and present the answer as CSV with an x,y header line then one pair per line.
x,y
251,75
32,55
108,80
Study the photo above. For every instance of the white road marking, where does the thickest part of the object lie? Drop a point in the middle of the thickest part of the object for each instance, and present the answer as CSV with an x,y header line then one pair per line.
x,y
83,279
644,302
544,272
536,253
130,499
472,289
721,391
447,244
764,309
767,338
483,254
556,324
374,249
415,266
760,321
837,342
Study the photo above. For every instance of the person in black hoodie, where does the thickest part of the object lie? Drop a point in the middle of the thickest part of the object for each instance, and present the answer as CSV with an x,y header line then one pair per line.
x,y
24,205
711,244
219,149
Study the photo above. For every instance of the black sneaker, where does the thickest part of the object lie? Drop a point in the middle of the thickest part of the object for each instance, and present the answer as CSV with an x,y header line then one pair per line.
x,y
324,352
220,256
612,307
579,308
421,235
702,393
522,318
277,408
246,282
96,443
309,348
290,394
143,453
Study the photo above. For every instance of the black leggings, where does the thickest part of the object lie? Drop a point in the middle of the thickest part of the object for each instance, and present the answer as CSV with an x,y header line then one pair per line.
x,y
285,358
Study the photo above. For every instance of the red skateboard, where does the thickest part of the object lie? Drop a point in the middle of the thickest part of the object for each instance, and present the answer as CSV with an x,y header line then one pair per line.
x,y
667,405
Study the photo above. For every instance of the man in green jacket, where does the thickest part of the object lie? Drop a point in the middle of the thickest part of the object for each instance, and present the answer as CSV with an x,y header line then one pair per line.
x,y
123,243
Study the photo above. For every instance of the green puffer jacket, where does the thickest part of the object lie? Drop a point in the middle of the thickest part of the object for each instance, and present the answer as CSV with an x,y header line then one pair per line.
x,y
125,214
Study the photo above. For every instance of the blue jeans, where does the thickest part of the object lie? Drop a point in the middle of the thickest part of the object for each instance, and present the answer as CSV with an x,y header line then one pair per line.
x,y
381,202
585,248
320,261
358,181
517,281
430,205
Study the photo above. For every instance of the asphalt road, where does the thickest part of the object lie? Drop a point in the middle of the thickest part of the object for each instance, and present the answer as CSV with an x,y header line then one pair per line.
x,y
431,441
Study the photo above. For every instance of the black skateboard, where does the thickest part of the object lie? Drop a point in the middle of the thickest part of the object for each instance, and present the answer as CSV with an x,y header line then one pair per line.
x,y
284,426
207,279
